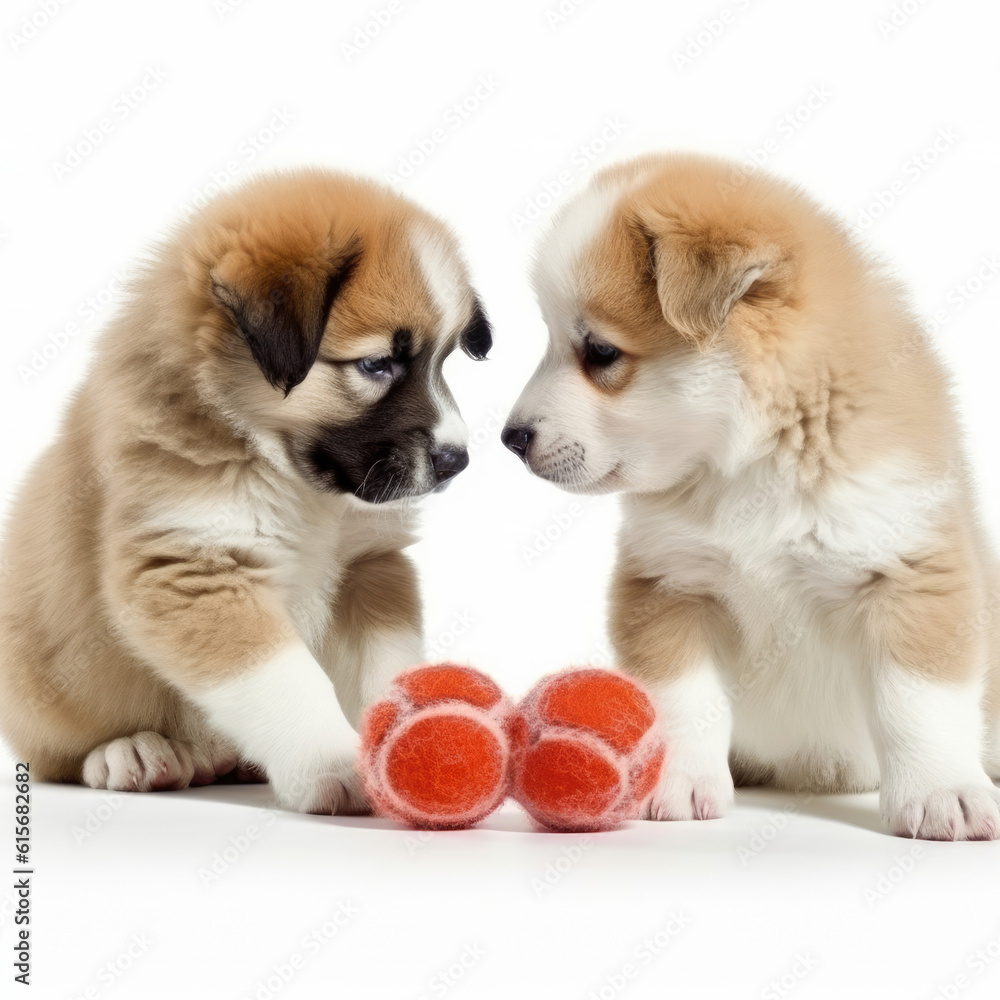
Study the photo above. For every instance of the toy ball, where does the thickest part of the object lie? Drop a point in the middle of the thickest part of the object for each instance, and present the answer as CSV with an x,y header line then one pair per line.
x,y
588,752
435,752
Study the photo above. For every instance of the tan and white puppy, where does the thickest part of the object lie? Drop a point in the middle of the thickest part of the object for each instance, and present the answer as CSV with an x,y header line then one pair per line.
x,y
216,534
801,577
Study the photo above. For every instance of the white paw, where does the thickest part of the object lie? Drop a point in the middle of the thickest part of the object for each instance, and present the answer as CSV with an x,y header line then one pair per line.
x,y
147,762
334,790
962,812
687,793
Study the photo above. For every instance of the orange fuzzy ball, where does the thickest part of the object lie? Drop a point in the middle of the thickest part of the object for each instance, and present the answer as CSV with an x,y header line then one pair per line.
x,y
587,750
435,752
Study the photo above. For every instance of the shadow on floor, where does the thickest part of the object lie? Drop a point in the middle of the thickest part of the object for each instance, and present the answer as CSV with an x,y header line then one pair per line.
x,y
859,811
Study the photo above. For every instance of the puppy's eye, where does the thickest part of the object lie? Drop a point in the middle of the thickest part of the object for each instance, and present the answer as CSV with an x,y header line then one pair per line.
x,y
376,367
600,353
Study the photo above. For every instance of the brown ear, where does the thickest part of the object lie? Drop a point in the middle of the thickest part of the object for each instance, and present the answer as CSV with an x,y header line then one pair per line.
x,y
280,307
701,275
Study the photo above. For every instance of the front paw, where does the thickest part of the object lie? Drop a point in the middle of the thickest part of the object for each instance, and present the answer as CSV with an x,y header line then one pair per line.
x,y
689,793
147,762
959,811
332,790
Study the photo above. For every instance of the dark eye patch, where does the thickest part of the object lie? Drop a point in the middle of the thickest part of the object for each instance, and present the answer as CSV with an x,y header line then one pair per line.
x,y
477,338
401,356
402,345
377,455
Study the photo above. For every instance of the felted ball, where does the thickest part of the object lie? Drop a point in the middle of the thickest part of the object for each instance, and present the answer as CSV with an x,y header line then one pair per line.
x,y
435,752
587,750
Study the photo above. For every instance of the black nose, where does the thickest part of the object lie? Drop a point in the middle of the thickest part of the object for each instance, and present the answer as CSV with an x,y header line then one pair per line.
x,y
518,439
448,462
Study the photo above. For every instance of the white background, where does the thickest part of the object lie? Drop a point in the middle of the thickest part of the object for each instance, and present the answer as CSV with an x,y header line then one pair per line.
x,y
783,896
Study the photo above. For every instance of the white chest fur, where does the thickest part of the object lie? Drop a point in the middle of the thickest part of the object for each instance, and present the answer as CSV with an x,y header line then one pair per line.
x,y
787,568
301,539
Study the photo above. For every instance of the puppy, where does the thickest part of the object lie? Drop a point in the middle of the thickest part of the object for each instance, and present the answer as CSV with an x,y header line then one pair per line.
x,y
217,533
801,577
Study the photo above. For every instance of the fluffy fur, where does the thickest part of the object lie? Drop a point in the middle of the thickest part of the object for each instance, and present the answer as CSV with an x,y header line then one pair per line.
x,y
216,534
801,576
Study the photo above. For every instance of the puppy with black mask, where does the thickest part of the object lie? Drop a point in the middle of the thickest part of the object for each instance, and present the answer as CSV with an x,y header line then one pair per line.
x,y
205,570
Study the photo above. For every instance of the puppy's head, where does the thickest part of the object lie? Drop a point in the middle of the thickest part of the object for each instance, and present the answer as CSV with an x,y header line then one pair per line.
x,y
658,284
332,304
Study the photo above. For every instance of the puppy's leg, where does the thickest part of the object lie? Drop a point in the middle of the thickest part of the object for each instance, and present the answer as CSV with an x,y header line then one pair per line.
x,y
928,735
148,762
992,760
991,701
375,632
660,637
926,676
210,625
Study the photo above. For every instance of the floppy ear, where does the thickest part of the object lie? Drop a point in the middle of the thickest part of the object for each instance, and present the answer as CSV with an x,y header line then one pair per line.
x,y
700,276
477,338
281,307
